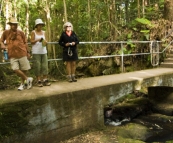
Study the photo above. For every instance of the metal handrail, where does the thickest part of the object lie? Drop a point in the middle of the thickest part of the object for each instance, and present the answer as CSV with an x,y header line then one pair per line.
x,y
116,55
122,54
167,46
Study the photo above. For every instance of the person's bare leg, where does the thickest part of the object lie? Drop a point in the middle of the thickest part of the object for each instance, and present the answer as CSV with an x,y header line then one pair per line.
x,y
68,70
73,69
21,74
44,76
38,78
39,81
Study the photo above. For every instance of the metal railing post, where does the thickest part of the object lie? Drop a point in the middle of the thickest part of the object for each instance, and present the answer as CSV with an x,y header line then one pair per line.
x,y
158,55
122,58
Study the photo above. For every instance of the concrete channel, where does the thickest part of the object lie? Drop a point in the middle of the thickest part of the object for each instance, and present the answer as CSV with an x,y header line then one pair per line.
x,y
64,110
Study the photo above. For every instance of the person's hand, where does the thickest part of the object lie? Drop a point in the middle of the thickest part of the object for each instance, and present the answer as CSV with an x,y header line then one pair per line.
x,y
3,46
28,55
44,42
41,39
70,44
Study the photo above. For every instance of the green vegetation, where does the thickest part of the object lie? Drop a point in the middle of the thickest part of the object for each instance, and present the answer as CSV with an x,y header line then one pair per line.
x,y
94,20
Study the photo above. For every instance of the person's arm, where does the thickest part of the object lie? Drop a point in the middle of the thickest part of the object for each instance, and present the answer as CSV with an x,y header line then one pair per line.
x,y
2,45
25,41
61,41
76,40
45,35
27,48
2,41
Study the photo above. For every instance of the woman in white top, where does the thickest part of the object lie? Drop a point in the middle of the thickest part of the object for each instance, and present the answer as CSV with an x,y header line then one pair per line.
x,y
39,53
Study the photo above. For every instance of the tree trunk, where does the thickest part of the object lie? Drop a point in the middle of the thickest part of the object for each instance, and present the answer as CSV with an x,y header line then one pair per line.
x,y
113,20
168,10
27,19
89,24
7,14
143,8
126,12
48,29
139,9
15,8
65,11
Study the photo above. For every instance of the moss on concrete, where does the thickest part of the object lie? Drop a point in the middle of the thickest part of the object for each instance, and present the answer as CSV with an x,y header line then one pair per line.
x,y
13,117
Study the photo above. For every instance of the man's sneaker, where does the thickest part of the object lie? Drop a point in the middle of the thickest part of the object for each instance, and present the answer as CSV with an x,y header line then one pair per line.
x,y
29,82
21,87
46,83
39,83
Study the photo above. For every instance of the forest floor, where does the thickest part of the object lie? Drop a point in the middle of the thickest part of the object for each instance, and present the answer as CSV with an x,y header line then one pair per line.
x,y
107,135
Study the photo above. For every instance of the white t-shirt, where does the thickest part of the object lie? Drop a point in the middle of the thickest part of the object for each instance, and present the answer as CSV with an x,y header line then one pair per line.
x,y
38,48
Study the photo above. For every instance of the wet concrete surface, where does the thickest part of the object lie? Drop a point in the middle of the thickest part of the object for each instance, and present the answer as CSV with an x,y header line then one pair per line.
x,y
160,129
149,120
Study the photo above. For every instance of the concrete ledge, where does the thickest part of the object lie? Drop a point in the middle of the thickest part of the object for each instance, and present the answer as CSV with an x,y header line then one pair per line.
x,y
51,114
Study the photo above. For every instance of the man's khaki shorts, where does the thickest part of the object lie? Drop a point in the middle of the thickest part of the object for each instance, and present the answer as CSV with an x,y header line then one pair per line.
x,y
21,63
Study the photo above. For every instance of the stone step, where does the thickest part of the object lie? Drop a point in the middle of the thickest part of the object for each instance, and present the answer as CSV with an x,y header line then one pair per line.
x,y
168,60
167,65
170,56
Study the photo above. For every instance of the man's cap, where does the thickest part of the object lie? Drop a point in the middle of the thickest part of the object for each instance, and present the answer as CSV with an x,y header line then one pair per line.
x,y
13,21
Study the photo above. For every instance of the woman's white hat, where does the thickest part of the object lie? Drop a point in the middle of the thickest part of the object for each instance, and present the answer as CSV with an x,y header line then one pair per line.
x,y
39,21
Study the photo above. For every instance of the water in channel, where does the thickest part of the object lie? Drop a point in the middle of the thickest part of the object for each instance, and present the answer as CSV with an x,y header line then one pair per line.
x,y
143,118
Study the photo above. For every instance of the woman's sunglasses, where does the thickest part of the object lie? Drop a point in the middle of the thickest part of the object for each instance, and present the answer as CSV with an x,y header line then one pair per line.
x,y
68,26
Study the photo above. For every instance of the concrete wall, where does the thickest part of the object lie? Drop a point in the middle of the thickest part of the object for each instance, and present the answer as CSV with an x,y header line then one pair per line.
x,y
50,119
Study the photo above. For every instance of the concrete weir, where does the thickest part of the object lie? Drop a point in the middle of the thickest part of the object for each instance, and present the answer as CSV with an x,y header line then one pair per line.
x,y
63,110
